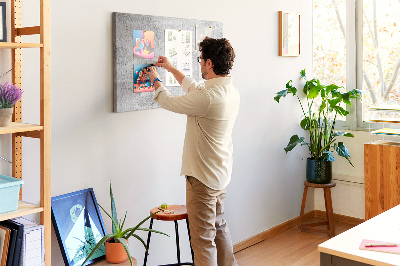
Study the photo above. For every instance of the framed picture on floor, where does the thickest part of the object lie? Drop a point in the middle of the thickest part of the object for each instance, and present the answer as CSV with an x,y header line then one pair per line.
x,y
78,226
3,26
289,34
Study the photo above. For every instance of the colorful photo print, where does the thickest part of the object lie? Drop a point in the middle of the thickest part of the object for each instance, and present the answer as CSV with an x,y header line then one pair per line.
x,y
143,44
141,81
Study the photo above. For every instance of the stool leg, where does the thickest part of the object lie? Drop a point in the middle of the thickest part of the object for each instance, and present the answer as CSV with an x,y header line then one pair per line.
x,y
303,204
178,252
148,242
329,211
190,240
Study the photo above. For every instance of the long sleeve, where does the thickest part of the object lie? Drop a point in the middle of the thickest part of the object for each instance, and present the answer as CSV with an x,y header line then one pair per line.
x,y
194,103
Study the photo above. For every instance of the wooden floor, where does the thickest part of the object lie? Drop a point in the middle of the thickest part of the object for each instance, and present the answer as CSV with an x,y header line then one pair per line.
x,y
290,247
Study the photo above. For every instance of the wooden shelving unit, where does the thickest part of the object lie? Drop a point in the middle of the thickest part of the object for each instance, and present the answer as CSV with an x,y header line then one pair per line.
x,y
42,131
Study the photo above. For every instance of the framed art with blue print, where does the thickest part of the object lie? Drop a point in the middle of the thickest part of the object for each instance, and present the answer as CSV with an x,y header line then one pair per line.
x,y
78,226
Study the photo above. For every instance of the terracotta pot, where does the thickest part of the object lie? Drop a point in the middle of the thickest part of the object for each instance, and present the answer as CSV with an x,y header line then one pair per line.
x,y
115,252
5,116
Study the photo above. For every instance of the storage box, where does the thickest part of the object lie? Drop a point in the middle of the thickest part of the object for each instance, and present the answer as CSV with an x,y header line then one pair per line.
x,y
9,193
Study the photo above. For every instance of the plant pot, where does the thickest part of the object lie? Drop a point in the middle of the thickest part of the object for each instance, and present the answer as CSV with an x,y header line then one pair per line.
x,y
5,116
115,252
319,172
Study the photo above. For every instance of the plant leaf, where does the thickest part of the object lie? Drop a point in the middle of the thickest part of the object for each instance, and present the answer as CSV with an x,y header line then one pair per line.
x,y
294,140
343,151
349,135
115,223
126,247
133,229
141,240
102,240
305,123
303,73
152,230
327,156
113,211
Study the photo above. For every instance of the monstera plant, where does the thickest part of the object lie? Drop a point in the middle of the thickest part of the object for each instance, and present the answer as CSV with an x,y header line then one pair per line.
x,y
323,105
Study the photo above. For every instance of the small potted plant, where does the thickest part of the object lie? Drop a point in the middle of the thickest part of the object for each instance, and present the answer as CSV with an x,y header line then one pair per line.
x,y
9,95
324,105
116,243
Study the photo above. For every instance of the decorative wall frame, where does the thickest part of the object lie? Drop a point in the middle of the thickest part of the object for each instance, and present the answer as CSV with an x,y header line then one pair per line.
x,y
78,226
123,26
289,34
3,22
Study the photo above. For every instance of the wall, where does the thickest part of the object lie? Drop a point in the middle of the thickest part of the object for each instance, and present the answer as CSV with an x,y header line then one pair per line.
x,y
140,152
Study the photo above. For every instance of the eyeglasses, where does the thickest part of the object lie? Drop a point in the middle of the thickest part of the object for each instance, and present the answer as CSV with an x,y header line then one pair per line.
x,y
199,59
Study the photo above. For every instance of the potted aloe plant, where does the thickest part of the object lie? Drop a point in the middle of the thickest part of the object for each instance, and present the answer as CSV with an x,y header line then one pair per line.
x,y
9,95
116,243
324,105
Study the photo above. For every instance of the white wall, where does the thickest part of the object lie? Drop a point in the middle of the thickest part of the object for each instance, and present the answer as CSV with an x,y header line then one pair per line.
x,y
141,151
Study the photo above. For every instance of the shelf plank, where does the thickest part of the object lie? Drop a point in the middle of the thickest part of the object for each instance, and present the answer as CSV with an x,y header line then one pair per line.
x,y
16,127
24,208
10,45
385,120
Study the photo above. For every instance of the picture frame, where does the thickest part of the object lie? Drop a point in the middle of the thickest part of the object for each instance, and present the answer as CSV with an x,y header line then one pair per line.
x,y
3,22
289,34
78,226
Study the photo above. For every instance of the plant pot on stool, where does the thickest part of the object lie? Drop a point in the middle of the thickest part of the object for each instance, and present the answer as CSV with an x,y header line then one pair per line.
x,y
318,171
115,252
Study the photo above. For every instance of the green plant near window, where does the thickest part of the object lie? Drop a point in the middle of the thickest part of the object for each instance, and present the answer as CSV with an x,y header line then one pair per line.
x,y
119,235
321,123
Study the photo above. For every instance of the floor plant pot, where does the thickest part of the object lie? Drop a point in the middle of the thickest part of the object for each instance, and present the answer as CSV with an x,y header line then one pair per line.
x,y
5,116
115,252
318,172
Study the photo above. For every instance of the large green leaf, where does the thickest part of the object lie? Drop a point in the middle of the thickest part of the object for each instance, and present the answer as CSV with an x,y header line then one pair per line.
x,y
343,151
305,123
346,98
294,140
113,211
313,92
331,88
114,222
102,240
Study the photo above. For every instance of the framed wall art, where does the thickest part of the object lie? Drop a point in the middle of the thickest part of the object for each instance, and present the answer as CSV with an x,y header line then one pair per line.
x,y
3,28
78,226
289,34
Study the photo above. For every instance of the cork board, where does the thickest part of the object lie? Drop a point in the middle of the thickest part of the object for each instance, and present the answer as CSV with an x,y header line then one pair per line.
x,y
123,26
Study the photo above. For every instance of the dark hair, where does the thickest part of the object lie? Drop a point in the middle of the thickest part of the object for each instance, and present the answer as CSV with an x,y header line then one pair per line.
x,y
220,52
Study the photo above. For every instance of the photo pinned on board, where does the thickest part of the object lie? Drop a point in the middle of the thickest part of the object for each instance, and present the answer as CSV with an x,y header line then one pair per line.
x,y
143,44
141,81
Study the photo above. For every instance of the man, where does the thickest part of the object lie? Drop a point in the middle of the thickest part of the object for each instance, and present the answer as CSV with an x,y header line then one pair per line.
x,y
207,155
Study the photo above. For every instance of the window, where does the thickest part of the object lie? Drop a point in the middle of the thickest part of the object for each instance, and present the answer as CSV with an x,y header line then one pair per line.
x,y
356,45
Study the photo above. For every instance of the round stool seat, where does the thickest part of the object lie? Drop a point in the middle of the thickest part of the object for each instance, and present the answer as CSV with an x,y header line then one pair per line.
x,y
308,184
180,213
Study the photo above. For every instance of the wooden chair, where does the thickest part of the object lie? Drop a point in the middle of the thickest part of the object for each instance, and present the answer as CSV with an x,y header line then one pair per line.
x,y
180,213
311,227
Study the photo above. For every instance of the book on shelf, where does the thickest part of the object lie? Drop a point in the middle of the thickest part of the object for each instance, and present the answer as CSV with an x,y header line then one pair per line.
x,y
5,234
11,245
16,253
32,250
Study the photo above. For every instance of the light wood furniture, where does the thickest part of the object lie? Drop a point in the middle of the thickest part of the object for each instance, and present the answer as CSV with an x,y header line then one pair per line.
x,y
382,177
105,263
19,129
344,248
311,227
179,213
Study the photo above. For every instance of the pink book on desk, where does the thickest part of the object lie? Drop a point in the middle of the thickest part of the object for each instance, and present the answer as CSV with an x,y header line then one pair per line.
x,y
390,249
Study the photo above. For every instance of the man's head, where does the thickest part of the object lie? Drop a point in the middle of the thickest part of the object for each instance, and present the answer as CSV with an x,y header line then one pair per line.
x,y
217,56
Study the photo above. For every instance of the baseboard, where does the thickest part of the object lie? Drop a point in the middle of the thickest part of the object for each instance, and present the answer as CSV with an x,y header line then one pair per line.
x,y
340,218
271,232
289,224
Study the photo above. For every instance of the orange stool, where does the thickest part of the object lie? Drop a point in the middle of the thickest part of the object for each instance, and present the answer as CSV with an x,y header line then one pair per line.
x,y
328,207
179,213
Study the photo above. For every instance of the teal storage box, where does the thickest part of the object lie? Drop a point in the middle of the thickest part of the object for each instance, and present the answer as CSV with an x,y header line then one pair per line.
x,y
9,193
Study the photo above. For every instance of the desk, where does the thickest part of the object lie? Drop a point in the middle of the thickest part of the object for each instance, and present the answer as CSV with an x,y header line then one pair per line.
x,y
344,248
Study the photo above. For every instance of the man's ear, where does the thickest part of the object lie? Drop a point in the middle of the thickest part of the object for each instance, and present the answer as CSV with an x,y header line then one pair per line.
x,y
209,63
